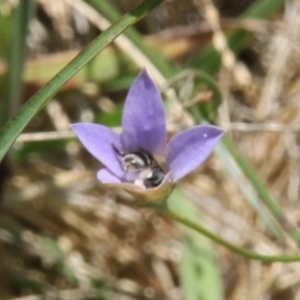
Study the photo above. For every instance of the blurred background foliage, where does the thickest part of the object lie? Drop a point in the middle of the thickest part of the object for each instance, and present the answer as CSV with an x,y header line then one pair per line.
x,y
232,63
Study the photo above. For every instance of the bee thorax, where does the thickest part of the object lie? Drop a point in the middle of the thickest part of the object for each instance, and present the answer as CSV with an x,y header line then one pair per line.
x,y
133,162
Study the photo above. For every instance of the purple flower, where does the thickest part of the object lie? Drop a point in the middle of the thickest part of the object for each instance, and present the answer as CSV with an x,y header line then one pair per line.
x,y
141,159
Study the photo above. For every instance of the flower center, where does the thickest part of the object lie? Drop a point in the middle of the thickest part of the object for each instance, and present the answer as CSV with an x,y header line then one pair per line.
x,y
141,169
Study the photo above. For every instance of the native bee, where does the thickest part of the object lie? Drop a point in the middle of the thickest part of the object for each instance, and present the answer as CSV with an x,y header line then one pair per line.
x,y
142,164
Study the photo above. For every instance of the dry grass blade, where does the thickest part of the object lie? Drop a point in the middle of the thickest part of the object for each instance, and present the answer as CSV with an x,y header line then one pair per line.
x,y
238,70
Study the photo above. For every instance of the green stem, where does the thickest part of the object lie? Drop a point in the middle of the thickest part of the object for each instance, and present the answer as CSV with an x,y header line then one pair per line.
x,y
13,128
240,251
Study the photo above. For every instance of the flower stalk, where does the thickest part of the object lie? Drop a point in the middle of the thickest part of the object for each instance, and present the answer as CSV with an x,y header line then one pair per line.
x,y
165,209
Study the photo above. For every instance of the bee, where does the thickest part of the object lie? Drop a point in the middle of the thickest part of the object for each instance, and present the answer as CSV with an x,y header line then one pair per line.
x,y
142,164
137,161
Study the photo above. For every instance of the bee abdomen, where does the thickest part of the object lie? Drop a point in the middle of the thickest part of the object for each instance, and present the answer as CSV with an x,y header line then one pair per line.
x,y
155,180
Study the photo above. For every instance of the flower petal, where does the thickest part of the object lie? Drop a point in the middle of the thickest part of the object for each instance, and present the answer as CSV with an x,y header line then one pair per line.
x,y
100,142
188,149
144,120
105,176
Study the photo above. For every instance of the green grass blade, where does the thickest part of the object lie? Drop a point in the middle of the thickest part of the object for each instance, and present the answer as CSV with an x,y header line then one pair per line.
x,y
13,128
263,192
247,190
16,55
200,274
263,8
